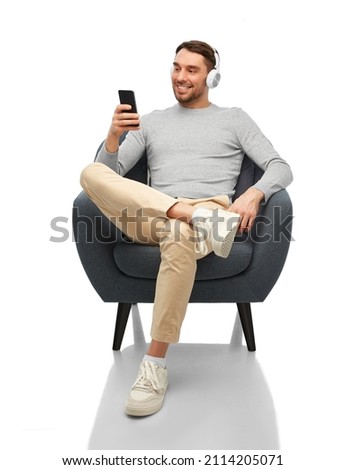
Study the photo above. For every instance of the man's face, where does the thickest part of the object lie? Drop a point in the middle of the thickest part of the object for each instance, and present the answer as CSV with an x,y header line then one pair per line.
x,y
189,79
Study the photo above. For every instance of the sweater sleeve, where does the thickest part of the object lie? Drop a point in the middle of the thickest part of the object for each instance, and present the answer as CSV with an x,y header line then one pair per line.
x,y
107,158
128,154
277,173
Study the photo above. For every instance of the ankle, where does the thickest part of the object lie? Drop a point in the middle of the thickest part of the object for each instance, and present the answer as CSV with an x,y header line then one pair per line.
x,y
181,211
157,349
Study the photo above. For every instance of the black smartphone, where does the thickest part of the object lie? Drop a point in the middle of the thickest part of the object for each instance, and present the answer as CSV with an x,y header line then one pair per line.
x,y
128,97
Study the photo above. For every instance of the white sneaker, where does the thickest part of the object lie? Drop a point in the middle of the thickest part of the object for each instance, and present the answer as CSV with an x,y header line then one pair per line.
x,y
215,229
148,392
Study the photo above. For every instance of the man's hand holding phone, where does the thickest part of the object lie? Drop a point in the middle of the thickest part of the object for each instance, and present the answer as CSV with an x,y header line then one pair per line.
x,y
125,118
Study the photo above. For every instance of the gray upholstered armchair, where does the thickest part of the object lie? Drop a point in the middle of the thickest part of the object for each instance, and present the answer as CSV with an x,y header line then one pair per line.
x,y
125,272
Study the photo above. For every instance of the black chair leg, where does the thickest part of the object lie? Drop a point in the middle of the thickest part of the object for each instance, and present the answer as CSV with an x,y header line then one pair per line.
x,y
120,325
244,310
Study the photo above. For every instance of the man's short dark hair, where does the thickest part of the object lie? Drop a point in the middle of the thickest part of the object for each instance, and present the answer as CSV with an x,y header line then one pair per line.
x,y
202,48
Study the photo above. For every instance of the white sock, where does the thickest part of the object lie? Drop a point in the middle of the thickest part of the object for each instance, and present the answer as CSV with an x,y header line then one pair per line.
x,y
199,213
160,361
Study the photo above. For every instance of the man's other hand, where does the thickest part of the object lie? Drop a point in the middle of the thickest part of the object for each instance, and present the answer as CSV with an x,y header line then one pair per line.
x,y
247,206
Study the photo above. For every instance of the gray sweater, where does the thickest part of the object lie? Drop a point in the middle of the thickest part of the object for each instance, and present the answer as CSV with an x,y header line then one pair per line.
x,y
198,153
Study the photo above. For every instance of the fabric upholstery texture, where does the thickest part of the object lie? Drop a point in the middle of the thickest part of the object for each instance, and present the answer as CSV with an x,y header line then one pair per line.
x,y
126,256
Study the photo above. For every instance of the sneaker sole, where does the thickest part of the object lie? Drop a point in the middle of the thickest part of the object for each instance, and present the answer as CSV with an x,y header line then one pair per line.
x,y
223,248
133,411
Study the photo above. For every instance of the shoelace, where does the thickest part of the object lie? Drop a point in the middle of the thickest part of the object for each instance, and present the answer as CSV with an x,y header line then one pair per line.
x,y
148,377
202,234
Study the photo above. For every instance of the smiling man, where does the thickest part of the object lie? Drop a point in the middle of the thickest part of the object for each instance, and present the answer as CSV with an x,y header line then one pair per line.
x,y
195,151
188,78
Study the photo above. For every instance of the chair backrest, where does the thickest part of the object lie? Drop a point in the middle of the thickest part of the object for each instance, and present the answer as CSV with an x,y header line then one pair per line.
x,y
250,173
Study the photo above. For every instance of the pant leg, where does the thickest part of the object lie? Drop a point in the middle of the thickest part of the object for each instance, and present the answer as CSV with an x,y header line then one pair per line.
x,y
177,273
174,281
135,208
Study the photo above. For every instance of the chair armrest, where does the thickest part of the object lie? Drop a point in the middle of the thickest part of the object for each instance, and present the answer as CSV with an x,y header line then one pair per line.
x,y
95,237
270,248
271,235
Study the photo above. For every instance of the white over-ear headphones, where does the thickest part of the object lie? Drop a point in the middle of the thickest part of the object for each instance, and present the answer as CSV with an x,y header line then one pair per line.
x,y
213,77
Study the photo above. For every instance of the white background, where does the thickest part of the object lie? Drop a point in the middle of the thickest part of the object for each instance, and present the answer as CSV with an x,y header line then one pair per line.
x,y
62,63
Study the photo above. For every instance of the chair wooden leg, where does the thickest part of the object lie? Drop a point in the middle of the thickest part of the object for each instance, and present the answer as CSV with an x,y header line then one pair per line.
x,y
244,310
120,325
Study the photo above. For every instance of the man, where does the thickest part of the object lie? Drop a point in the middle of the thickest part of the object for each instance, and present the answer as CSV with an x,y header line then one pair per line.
x,y
195,150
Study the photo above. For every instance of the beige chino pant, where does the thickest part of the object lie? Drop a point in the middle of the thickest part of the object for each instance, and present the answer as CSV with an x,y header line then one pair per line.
x,y
140,212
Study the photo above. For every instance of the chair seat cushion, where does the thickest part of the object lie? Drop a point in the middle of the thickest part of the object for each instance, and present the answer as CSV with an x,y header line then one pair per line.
x,y
143,261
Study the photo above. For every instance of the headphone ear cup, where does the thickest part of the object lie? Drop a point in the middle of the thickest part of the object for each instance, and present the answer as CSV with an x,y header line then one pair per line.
x,y
213,79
